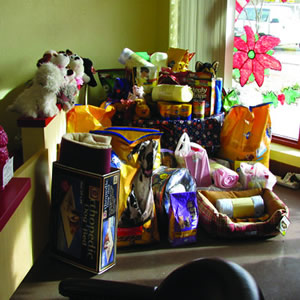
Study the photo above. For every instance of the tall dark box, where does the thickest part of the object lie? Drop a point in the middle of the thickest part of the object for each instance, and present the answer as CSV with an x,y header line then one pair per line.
x,y
203,86
84,217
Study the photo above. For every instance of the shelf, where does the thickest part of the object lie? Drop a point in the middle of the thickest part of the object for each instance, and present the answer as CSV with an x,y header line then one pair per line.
x,y
36,123
11,197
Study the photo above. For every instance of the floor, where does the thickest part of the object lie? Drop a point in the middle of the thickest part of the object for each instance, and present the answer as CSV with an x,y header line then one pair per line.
x,y
274,263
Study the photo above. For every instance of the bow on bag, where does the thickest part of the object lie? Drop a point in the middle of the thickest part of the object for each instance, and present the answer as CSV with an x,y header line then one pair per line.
x,y
193,157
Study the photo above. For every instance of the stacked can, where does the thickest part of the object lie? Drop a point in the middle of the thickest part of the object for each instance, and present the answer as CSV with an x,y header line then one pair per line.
x,y
199,108
218,88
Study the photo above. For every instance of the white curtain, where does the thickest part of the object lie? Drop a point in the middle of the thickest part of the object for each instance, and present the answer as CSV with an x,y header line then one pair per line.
x,y
205,27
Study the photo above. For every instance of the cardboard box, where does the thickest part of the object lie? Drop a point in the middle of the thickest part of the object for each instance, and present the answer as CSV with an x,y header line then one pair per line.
x,y
84,217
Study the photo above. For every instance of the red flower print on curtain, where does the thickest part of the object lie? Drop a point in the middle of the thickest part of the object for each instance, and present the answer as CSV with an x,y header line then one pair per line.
x,y
252,57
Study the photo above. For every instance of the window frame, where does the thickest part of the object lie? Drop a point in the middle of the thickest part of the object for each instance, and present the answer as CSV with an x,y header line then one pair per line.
x,y
285,141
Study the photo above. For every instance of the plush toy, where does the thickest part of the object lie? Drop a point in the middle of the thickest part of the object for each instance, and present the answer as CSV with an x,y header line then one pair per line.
x,y
60,59
137,93
89,72
46,57
68,92
124,111
39,100
4,156
77,66
207,67
142,110
120,90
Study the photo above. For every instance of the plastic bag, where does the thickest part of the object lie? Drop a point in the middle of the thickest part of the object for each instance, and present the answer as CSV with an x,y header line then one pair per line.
x,y
246,134
138,152
223,177
193,157
256,176
84,118
230,99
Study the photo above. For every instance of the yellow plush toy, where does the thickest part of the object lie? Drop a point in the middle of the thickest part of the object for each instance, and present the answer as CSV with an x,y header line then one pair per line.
x,y
142,110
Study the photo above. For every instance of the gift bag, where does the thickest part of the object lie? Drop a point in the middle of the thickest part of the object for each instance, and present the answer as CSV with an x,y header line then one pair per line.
x,y
138,151
84,118
193,157
246,134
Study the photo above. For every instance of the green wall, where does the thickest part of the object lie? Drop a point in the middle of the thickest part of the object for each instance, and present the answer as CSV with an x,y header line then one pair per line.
x,y
97,29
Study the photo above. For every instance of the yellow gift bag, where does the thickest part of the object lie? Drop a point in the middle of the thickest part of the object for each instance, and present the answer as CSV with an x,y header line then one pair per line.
x,y
138,150
246,134
84,118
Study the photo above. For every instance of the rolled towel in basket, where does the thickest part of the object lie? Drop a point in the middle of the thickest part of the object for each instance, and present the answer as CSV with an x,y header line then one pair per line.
x,y
241,207
223,177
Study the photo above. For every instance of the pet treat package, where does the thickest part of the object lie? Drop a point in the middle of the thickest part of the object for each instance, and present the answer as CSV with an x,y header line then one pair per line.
x,y
203,87
115,83
147,77
167,181
246,134
183,218
84,217
136,151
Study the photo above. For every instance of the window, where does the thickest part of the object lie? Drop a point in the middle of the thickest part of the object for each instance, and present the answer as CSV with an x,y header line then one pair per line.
x,y
208,28
282,88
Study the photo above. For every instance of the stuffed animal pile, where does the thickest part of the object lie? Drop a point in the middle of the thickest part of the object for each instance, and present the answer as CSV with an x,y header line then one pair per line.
x,y
57,80
4,156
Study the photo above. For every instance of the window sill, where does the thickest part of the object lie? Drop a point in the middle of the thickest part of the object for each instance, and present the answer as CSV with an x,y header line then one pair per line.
x,y
285,154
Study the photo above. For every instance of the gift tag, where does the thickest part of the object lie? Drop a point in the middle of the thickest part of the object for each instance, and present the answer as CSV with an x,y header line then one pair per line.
x,y
283,225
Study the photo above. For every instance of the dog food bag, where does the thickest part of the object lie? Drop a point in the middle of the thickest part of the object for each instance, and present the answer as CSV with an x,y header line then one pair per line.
x,y
167,181
246,134
183,218
136,151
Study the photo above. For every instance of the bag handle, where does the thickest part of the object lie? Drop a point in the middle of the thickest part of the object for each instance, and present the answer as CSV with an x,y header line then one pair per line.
x,y
184,145
196,147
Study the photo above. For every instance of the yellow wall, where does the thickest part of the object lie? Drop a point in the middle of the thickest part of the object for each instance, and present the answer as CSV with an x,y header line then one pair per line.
x,y
96,29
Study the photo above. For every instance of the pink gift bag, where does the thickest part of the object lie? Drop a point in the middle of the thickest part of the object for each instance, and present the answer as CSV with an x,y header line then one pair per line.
x,y
193,157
